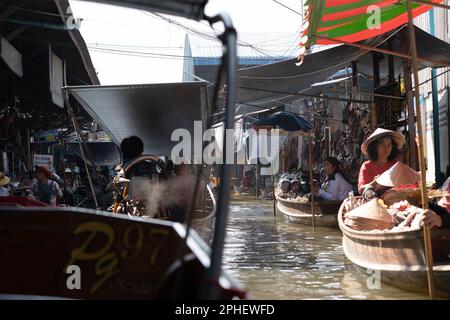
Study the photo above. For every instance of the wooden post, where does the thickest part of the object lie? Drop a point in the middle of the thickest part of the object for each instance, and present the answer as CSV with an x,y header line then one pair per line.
x,y
273,193
327,141
376,70
256,180
426,230
29,161
310,146
391,62
354,74
411,121
81,144
373,116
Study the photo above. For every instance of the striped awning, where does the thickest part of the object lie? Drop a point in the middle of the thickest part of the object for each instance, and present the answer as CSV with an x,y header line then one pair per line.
x,y
353,21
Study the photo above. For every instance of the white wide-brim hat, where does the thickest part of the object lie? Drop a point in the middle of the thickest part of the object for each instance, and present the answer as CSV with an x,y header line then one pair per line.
x,y
381,133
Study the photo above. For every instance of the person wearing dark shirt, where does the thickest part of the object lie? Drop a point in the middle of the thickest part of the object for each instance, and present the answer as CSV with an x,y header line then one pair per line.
x,y
436,217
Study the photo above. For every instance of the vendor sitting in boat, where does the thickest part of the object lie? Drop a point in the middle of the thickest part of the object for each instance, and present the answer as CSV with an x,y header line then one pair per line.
x,y
382,148
438,216
135,177
336,186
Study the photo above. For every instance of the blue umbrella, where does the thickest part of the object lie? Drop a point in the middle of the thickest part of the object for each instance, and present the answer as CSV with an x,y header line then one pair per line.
x,y
287,121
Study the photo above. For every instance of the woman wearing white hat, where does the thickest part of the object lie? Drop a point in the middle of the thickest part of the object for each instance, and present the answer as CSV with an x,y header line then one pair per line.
x,y
4,181
382,148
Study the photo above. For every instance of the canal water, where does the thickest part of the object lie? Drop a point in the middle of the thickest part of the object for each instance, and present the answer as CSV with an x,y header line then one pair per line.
x,y
272,258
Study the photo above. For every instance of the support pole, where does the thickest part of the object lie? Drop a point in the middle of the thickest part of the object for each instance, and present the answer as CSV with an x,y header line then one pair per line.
x,y
310,147
437,140
80,143
391,62
29,162
354,74
376,70
327,133
426,230
256,180
373,116
229,60
273,194
413,162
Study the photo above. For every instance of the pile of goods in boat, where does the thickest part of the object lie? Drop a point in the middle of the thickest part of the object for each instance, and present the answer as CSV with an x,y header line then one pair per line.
x,y
376,216
397,209
372,215
294,186
411,193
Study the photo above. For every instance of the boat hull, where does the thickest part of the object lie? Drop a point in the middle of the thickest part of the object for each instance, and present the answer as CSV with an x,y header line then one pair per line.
x,y
325,213
118,257
399,256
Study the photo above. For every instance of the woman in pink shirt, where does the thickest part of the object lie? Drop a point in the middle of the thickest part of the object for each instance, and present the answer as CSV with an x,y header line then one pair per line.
x,y
382,148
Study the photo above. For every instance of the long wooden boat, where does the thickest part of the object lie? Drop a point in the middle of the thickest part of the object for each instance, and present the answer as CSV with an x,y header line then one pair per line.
x,y
399,256
115,257
325,212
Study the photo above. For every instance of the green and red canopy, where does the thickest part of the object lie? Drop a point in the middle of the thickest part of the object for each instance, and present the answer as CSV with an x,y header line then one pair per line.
x,y
353,20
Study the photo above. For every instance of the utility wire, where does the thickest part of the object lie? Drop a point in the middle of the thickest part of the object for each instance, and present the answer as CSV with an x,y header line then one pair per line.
x,y
285,6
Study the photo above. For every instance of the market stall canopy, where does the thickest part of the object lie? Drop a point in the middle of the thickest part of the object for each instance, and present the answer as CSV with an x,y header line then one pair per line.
x,y
354,21
282,82
191,9
151,111
287,121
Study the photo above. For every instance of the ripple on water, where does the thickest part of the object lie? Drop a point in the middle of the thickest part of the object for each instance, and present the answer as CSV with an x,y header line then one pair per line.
x,y
274,259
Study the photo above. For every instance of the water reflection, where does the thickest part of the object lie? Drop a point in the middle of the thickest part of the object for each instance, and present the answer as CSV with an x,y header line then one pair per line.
x,y
275,259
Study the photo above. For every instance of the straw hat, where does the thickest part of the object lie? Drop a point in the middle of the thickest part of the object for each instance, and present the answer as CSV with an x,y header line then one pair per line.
x,y
381,133
4,180
370,216
44,170
399,174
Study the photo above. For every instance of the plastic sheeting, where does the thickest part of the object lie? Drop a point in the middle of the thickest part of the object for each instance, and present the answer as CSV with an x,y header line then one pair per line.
x,y
12,57
192,9
277,83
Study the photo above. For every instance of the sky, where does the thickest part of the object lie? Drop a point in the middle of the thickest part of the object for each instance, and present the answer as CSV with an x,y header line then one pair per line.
x,y
130,46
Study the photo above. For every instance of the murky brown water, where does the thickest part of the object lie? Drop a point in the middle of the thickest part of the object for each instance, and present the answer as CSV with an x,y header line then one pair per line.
x,y
274,259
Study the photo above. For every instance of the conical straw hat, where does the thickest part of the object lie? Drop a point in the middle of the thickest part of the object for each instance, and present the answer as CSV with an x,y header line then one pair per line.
x,y
381,133
372,210
399,174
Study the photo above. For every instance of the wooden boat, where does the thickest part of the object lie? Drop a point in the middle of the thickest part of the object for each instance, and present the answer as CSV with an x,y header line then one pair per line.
x,y
399,256
118,257
325,212
82,253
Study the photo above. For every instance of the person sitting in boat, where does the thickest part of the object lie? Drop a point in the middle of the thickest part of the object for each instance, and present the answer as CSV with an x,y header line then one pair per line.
x,y
137,179
44,189
439,213
4,182
133,147
437,218
70,187
336,186
382,148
